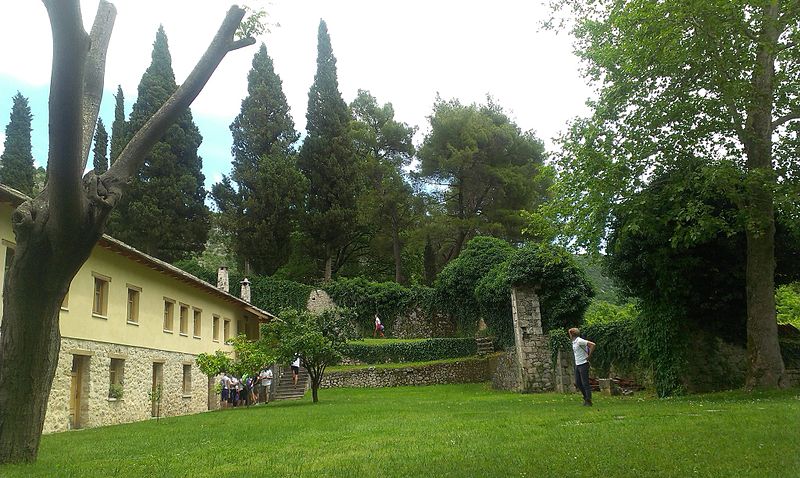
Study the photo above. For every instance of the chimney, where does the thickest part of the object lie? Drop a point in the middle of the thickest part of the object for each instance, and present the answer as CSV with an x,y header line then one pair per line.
x,y
245,294
222,279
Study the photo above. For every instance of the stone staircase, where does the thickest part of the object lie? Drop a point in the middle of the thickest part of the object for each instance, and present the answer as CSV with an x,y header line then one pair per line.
x,y
485,345
285,390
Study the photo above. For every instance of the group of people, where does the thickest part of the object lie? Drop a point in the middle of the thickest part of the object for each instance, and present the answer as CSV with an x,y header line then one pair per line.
x,y
245,390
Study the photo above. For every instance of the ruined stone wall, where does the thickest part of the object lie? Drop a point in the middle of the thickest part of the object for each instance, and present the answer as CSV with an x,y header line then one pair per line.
x,y
532,346
466,371
418,324
98,409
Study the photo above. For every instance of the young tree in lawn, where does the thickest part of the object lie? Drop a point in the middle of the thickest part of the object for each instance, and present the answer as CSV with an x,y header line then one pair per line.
x,y
261,212
118,133
16,162
327,160
57,230
712,79
211,366
100,150
318,339
164,212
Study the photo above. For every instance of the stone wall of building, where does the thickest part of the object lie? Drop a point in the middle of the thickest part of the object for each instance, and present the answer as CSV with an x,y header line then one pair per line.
x,y
97,409
466,371
418,323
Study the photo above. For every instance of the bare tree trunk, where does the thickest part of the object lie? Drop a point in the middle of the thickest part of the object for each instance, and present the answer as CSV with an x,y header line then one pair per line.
x,y
765,364
328,264
397,251
35,286
56,232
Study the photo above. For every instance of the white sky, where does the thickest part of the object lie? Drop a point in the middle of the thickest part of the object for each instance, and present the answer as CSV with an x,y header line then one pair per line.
x,y
403,52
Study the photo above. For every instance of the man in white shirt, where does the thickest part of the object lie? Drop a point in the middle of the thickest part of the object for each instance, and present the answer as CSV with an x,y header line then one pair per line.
x,y
266,381
582,349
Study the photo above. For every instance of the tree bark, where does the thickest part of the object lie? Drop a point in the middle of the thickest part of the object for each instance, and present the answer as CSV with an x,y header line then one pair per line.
x,y
765,364
397,250
57,231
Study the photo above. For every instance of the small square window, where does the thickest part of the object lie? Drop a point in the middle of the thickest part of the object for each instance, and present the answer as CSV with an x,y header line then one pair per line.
x,y
184,319
169,312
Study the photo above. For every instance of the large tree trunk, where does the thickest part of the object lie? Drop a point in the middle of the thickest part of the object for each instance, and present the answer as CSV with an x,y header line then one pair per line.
x,y
35,285
56,232
765,365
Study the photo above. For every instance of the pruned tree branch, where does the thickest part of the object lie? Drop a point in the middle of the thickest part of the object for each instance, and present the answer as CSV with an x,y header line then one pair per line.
x,y
70,49
94,73
132,157
793,115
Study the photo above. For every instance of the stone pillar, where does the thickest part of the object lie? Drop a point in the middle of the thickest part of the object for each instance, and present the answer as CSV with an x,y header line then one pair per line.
x,y
532,348
222,279
565,371
245,293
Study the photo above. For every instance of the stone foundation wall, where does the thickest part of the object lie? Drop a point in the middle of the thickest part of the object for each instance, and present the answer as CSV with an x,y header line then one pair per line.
x,y
467,371
97,409
418,324
506,374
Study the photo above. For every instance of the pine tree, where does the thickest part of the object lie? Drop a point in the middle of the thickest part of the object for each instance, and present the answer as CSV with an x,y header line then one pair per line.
x,y
100,150
270,186
16,162
118,134
327,160
163,212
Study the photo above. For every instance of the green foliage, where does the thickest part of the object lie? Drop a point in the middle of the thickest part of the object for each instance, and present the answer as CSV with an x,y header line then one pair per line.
x,y
563,288
662,340
367,298
253,24
116,390
456,283
100,150
214,364
163,212
417,351
317,339
118,133
787,300
261,211
250,356
16,162
489,166
327,160
600,312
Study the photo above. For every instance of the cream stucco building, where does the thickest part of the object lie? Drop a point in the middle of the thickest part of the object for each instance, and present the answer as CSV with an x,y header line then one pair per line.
x,y
134,324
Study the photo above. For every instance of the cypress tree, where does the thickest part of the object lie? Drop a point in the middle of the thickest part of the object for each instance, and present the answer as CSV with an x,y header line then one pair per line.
x,y
163,212
327,159
100,150
118,135
264,168
16,162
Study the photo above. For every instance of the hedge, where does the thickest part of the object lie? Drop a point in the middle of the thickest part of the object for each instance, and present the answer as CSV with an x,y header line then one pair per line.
x,y
420,351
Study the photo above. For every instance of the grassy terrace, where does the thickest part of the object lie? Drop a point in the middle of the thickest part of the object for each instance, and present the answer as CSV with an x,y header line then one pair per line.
x,y
453,430
344,368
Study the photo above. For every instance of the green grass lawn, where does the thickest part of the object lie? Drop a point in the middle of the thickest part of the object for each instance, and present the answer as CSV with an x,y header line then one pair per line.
x,y
384,341
452,430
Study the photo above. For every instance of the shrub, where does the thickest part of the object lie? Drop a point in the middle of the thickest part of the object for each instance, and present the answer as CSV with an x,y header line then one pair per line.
x,y
418,351
564,291
366,298
600,311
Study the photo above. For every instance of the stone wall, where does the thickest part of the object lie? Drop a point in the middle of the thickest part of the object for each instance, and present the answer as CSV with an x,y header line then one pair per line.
x,y
466,371
506,374
97,409
417,323
532,346
713,364
319,301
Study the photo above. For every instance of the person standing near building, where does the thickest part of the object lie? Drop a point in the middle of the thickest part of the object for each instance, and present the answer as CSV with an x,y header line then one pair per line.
x,y
378,327
582,349
266,382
